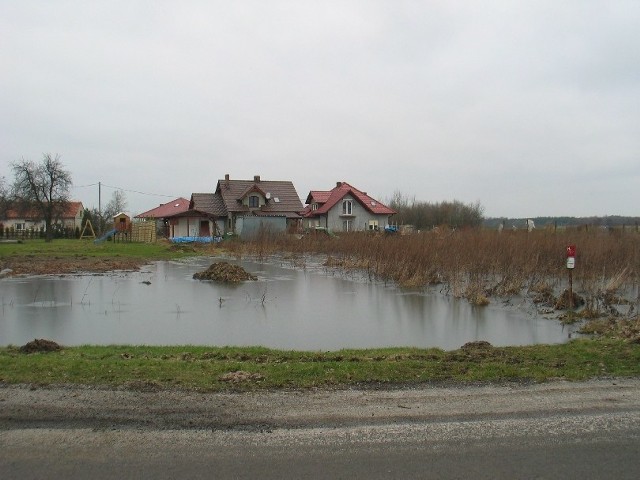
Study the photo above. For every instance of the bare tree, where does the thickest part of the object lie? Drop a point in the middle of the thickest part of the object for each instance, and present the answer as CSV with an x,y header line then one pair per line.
x,y
43,189
103,220
116,205
5,200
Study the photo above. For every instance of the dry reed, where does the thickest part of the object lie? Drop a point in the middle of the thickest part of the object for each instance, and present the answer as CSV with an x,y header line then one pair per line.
x,y
478,264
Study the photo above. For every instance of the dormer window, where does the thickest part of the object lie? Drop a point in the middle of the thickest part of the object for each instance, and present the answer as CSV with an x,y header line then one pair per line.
x,y
254,201
314,206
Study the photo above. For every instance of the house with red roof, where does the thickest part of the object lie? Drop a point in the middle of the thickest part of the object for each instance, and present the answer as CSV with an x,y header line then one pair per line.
x,y
345,209
165,215
22,221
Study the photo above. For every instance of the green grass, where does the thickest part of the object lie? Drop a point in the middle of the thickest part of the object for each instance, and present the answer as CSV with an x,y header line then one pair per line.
x,y
68,248
204,368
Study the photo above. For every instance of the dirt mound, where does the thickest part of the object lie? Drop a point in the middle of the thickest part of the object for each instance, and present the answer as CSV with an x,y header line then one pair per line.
x,y
40,345
477,345
472,351
225,272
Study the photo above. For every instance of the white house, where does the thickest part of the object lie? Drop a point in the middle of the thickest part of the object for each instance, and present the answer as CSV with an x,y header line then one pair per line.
x,y
345,209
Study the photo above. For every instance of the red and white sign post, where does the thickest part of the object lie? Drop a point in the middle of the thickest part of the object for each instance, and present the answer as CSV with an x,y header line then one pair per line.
x,y
571,264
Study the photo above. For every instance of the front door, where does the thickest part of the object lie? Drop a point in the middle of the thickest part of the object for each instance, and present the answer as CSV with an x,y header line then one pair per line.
x,y
204,228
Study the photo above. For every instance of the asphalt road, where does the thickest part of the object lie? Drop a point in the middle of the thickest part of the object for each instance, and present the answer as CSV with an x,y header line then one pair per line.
x,y
553,430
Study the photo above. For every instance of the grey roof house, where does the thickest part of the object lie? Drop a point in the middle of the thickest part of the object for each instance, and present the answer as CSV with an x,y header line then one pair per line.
x,y
241,207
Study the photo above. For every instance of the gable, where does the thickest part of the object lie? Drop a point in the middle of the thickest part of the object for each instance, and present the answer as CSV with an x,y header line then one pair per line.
x,y
342,191
280,196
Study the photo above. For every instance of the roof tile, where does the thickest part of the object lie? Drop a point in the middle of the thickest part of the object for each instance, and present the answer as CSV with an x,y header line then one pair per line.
x,y
166,210
332,197
283,196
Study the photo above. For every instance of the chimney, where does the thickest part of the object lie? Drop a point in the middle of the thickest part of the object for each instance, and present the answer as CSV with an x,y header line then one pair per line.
x,y
226,181
226,177
338,184
256,178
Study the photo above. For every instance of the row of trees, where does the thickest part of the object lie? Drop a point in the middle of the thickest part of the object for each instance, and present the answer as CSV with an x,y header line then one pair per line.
x,y
425,215
609,221
43,190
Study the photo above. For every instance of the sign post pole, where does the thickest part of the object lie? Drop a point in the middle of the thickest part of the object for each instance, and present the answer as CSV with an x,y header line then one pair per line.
x,y
570,289
571,263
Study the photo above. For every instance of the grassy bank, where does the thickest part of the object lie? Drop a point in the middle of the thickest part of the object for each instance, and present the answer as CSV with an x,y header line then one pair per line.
x,y
34,257
71,248
231,369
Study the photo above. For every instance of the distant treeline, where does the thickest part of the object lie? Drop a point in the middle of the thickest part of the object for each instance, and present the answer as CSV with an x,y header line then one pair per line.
x,y
426,215
541,222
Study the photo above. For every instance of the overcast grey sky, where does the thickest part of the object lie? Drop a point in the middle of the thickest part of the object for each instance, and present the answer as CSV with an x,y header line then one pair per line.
x,y
531,108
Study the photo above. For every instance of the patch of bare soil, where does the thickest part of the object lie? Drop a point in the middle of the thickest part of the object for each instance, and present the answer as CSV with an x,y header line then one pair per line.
x,y
225,272
60,266
241,376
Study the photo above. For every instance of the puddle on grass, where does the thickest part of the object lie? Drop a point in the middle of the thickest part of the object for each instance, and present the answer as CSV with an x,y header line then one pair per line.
x,y
287,308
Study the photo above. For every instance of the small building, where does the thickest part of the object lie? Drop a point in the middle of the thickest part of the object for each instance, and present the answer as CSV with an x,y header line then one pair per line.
x,y
164,215
345,209
122,222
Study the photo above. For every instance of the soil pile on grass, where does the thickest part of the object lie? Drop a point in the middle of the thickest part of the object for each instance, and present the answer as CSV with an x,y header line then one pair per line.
x,y
40,345
225,272
472,351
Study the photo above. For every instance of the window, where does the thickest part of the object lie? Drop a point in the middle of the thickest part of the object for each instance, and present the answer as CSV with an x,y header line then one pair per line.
x,y
373,225
254,201
19,226
347,207
314,206
346,225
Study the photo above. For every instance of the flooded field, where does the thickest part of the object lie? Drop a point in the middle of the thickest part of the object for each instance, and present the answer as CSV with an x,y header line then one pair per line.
x,y
286,308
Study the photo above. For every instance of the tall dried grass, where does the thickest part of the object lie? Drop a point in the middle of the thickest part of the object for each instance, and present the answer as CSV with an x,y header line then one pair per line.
x,y
478,263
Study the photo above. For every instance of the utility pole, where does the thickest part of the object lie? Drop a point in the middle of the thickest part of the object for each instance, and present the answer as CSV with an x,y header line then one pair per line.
x,y
99,199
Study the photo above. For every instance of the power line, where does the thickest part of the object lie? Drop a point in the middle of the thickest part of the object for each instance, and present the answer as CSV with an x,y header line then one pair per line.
x,y
124,190
140,193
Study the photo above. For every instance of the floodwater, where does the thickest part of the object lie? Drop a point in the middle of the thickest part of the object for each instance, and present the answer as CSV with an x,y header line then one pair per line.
x,y
307,308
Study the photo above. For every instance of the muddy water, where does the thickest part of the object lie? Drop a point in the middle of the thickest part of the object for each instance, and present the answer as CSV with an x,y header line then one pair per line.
x,y
287,308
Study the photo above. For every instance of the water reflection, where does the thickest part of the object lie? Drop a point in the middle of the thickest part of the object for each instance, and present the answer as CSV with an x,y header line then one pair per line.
x,y
286,308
